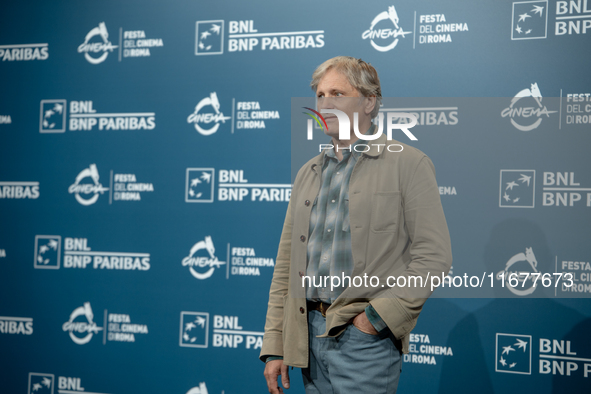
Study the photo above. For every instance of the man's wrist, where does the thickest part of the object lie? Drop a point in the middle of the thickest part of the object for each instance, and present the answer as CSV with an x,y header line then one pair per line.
x,y
272,358
376,321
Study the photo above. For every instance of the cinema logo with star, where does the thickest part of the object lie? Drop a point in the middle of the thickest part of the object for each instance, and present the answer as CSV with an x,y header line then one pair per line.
x,y
523,267
384,31
202,261
202,119
517,188
526,110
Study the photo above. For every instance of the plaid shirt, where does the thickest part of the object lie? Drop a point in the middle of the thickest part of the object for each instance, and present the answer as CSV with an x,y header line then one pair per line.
x,y
329,243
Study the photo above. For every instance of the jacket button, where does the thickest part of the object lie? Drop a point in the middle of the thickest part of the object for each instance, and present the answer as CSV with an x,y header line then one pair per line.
x,y
303,239
302,310
301,273
307,202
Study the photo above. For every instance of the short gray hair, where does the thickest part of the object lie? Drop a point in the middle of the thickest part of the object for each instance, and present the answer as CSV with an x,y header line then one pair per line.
x,y
361,75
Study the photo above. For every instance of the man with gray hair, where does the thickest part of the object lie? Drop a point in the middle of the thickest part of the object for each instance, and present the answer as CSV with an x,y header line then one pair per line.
x,y
353,214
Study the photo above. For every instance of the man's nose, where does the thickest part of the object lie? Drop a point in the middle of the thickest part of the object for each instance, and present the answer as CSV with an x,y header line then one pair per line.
x,y
326,102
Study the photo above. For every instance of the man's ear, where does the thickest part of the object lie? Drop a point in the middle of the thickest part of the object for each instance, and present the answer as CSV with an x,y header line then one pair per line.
x,y
370,103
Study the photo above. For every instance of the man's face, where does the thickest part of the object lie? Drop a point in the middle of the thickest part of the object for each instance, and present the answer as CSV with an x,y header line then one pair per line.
x,y
332,92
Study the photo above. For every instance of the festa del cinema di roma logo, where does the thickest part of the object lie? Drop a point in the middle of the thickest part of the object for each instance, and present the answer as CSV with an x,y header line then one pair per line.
x,y
203,120
522,265
206,261
201,389
522,270
81,332
390,35
521,109
119,327
81,190
95,48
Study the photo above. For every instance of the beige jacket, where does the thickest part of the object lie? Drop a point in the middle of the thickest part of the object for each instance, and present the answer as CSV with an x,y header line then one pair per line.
x,y
397,228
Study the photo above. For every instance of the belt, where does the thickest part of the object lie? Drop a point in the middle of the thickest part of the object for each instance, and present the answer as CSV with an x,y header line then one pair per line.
x,y
318,306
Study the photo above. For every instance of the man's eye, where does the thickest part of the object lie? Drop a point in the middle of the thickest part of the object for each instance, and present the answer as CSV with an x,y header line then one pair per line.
x,y
338,94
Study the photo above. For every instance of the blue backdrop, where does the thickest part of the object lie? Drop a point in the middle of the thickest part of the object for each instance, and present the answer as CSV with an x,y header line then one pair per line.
x,y
146,163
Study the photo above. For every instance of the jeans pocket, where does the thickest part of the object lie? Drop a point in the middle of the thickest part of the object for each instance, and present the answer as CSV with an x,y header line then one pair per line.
x,y
357,332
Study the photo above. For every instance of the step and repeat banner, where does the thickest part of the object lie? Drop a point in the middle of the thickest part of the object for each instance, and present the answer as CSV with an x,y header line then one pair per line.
x,y
145,171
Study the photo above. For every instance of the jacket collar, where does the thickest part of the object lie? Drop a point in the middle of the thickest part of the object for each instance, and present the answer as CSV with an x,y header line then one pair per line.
x,y
376,147
316,165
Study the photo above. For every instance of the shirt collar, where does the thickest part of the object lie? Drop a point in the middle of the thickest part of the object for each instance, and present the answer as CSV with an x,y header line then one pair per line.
x,y
330,153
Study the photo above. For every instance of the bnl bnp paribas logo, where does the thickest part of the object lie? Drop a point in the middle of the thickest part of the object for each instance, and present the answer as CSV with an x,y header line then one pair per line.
x,y
83,116
384,31
232,186
530,20
209,37
47,251
194,329
557,357
517,189
24,52
526,110
79,255
19,190
513,354
243,37
53,116
43,383
227,332
563,188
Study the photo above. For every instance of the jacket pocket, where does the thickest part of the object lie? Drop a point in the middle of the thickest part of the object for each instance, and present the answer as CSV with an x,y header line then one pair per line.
x,y
384,212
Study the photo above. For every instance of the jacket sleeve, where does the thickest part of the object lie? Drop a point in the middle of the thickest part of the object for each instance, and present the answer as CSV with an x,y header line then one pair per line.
x,y
430,250
273,338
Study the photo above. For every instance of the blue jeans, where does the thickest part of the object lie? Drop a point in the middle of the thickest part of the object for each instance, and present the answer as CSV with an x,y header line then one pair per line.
x,y
353,362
